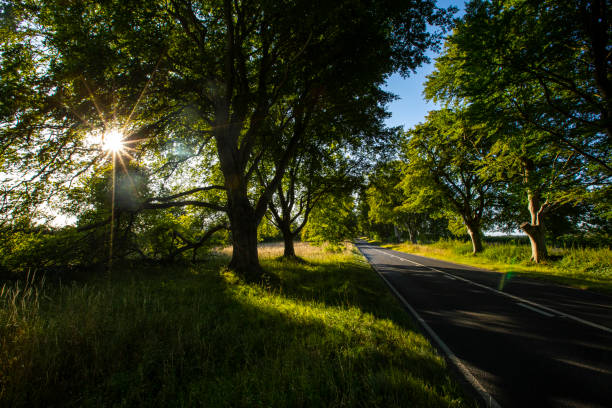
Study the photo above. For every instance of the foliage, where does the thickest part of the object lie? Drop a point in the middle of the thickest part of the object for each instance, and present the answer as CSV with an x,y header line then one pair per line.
x,y
544,63
332,221
267,231
64,252
321,168
41,251
331,334
537,83
387,204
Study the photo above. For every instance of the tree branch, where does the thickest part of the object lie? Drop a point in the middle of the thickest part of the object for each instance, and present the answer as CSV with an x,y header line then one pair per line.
x,y
186,193
155,206
198,243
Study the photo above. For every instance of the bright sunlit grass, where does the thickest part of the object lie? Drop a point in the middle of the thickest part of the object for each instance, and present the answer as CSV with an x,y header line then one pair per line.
x,y
330,334
113,141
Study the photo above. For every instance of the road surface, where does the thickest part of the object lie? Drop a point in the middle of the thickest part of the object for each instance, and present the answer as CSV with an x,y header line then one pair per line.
x,y
519,342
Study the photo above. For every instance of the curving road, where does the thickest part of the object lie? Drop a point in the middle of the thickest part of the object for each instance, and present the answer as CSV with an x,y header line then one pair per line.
x,y
519,342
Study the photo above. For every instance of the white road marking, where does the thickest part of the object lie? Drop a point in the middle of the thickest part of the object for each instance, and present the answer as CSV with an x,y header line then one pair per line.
x,y
517,298
533,309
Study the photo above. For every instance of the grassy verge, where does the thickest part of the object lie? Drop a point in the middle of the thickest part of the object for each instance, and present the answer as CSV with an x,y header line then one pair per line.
x,y
581,268
329,335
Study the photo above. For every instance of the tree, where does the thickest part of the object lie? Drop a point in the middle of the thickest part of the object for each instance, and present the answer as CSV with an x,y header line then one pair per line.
x,y
530,71
547,176
308,181
207,76
330,160
386,199
442,157
39,150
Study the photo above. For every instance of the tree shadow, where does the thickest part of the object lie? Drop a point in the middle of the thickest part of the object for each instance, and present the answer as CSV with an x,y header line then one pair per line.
x,y
292,259
345,285
194,336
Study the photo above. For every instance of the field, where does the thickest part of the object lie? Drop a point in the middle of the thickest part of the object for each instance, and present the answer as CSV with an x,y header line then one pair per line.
x,y
327,334
585,268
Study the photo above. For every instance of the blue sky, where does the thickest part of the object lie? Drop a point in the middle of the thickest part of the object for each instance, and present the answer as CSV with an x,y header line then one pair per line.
x,y
411,108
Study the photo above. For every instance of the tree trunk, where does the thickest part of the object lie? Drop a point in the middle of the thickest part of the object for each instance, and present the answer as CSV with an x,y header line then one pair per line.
x,y
411,227
243,224
398,235
240,211
535,229
538,243
474,232
412,232
411,236
288,239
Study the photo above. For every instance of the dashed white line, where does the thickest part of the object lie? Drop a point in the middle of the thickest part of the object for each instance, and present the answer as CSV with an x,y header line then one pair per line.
x,y
533,309
517,298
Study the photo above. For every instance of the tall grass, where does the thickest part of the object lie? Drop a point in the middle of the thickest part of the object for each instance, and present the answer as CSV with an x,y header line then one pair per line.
x,y
580,267
329,334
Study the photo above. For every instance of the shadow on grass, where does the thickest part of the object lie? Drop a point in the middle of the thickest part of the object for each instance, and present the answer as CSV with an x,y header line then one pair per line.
x,y
292,259
341,283
194,337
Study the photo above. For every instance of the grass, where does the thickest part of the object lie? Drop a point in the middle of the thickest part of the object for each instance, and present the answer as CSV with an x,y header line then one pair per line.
x,y
329,334
584,268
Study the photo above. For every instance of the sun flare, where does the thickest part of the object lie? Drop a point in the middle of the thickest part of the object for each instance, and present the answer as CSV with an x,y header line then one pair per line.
x,y
112,141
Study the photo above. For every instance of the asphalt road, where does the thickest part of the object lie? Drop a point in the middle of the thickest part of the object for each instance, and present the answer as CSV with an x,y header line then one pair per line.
x,y
519,342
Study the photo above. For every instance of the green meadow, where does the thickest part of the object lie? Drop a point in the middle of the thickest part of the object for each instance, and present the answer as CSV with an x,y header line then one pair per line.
x,y
325,332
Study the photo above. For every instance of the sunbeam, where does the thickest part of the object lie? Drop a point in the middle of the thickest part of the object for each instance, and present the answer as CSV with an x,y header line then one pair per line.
x,y
113,141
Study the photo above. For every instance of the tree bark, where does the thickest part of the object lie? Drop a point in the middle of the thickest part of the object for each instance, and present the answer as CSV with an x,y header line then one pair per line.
x,y
411,235
288,239
240,211
473,228
243,224
538,243
398,235
535,229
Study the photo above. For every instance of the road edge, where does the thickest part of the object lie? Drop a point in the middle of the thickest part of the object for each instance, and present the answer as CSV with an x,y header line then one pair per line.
x,y
450,357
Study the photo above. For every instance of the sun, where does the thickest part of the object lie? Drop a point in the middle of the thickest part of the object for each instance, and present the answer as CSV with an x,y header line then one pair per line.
x,y
112,141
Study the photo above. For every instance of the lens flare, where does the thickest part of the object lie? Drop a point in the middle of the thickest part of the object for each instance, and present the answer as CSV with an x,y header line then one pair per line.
x,y
112,141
